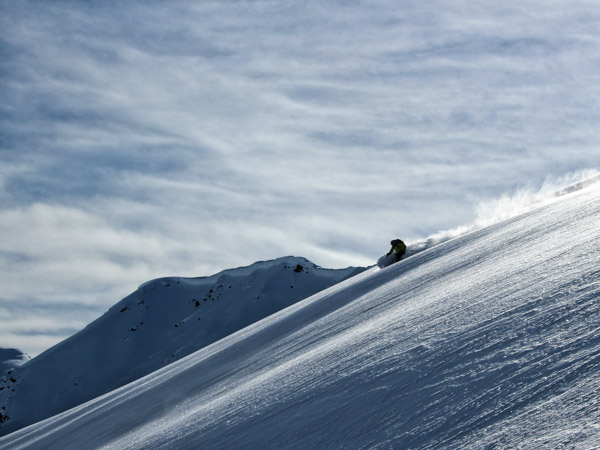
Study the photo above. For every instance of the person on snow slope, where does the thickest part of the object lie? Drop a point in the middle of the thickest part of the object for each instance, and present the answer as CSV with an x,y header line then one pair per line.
x,y
399,247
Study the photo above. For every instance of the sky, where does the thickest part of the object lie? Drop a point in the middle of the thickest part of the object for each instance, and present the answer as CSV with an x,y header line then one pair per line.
x,y
149,139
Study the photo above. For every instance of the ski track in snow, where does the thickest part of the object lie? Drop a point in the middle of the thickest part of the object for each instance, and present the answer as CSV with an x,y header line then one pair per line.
x,y
490,339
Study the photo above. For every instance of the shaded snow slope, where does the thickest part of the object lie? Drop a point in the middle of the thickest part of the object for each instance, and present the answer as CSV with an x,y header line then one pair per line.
x,y
11,358
163,321
488,339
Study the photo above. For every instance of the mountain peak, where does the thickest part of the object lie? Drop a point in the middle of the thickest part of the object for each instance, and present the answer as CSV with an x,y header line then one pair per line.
x,y
487,339
11,358
164,320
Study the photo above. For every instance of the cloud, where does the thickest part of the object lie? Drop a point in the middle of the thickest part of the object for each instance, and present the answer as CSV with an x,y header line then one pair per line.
x,y
80,249
139,140
36,325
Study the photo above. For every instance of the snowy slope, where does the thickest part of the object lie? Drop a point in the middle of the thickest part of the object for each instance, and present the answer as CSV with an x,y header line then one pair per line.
x,y
11,358
164,320
488,339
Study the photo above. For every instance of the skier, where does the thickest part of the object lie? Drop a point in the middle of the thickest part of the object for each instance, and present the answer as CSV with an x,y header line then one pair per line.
x,y
399,247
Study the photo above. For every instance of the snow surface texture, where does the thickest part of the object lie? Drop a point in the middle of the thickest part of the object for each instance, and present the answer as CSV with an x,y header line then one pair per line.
x,y
163,321
489,339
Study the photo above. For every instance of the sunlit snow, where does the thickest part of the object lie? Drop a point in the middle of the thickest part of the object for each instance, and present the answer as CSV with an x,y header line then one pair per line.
x,y
490,338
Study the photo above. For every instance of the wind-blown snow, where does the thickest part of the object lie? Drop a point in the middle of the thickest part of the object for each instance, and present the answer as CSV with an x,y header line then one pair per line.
x,y
491,212
487,339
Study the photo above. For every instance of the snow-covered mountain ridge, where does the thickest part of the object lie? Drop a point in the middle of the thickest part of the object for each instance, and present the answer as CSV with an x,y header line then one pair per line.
x,y
487,340
11,358
163,321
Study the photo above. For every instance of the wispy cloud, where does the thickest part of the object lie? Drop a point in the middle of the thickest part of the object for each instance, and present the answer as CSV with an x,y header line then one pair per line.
x,y
139,140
